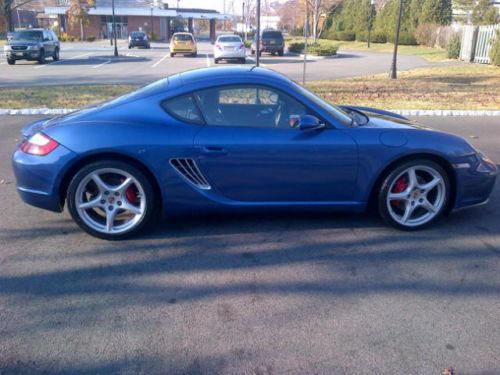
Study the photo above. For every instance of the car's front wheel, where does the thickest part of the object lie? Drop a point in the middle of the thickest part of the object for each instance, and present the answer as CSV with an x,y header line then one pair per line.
x,y
11,61
414,194
111,199
55,56
41,58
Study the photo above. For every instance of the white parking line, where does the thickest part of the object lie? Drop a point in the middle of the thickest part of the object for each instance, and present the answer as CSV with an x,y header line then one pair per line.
x,y
99,65
208,60
159,61
59,61
5,62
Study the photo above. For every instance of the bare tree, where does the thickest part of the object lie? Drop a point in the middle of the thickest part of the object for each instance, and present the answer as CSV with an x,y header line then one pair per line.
x,y
318,10
78,13
6,8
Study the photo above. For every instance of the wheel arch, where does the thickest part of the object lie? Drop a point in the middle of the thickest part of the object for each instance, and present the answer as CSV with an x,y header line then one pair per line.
x,y
445,164
80,163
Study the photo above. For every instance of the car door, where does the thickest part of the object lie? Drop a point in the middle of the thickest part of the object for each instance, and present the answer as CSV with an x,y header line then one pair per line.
x,y
48,43
251,151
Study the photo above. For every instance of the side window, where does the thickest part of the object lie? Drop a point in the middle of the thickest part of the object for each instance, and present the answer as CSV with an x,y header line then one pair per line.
x,y
249,106
183,108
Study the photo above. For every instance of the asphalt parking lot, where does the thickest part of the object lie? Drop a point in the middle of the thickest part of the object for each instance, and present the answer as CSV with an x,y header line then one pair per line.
x,y
280,294
90,63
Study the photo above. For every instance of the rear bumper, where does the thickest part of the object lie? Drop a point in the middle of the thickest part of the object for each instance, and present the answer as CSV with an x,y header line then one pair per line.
x,y
239,54
272,48
183,50
138,43
38,178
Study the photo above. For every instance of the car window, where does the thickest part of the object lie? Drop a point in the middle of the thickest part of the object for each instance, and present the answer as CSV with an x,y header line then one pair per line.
x,y
53,35
272,35
229,39
183,37
250,106
184,108
47,36
27,35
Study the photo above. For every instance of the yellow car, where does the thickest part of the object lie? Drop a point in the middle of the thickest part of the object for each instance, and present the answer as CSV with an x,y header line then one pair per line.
x,y
183,43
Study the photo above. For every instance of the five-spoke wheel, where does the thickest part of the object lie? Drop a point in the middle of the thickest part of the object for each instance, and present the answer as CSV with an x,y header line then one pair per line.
x,y
414,194
110,199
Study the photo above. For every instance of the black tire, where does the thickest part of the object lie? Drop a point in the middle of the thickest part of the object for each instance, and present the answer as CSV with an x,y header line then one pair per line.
x,y
172,54
151,209
216,61
389,180
11,61
194,54
41,59
129,46
243,61
148,46
252,52
55,55
281,52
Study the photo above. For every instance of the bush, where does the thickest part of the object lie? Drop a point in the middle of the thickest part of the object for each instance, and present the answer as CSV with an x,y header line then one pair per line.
x,y
407,39
296,47
362,36
323,50
453,48
248,43
378,37
426,34
65,37
90,38
343,35
495,51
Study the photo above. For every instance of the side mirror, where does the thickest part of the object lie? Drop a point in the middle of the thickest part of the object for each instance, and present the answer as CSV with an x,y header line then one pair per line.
x,y
308,122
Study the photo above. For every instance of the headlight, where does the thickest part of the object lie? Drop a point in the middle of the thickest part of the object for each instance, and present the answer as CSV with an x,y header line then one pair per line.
x,y
34,48
7,48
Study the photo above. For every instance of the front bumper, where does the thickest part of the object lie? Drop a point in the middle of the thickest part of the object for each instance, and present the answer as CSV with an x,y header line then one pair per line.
x,y
474,183
22,55
38,178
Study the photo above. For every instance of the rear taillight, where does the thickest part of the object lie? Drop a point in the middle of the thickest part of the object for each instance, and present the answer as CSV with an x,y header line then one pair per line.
x,y
38,144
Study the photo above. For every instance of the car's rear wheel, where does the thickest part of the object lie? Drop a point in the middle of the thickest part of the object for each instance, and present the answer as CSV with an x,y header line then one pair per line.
x,y
11,61
252,52
172,54
111,199
414,194
216,61
55,55
281,52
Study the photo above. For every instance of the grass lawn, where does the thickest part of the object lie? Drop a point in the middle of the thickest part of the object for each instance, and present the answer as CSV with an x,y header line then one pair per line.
x,y
471,87
428,53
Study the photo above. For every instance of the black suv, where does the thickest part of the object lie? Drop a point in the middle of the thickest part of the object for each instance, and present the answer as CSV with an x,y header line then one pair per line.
x,y
33,45
270,41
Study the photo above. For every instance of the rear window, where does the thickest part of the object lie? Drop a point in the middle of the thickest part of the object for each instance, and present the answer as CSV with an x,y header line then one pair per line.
x,y
183,108
272,35
183,37
136,34
229,39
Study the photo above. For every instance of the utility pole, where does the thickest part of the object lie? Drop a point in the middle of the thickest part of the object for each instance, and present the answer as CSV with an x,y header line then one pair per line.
x,y
114,27
152,26
372,2
393,72
257,38
306,26
243,21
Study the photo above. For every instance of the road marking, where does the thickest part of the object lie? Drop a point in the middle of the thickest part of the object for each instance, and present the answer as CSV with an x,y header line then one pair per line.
x,y
3,63
131,55
159,61
208,60
59,61
99,65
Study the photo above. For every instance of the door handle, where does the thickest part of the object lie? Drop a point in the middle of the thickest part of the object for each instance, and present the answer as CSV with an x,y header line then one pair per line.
x,y
214,150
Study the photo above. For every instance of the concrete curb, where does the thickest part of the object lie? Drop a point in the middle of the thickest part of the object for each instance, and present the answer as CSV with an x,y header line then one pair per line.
x,y
403,112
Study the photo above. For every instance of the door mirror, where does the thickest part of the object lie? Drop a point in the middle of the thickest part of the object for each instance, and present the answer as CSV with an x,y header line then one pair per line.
x,y
308,122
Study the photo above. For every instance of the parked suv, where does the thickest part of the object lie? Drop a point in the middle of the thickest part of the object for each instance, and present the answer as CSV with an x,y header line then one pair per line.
x,y
33,45
270,41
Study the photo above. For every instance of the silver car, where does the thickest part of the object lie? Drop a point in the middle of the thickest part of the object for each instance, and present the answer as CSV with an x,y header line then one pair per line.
x,y
229,47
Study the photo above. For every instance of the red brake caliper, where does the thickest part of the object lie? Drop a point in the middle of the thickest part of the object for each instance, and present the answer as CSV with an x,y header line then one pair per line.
x,y
131,196
399,187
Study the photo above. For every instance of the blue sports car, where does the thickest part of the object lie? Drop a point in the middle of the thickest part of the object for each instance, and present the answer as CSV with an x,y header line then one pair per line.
x,y
241,138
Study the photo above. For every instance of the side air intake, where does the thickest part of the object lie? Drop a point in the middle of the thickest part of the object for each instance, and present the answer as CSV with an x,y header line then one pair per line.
x,y
189,170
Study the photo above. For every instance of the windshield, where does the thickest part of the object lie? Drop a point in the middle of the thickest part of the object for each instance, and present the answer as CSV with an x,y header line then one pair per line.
x,y
183,37
230,39
28,35
333,110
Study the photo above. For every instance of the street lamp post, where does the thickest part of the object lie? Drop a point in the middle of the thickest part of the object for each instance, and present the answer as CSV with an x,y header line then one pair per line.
x,y
372,2
114,26
243,21
257,38
152,25
306,26
393,72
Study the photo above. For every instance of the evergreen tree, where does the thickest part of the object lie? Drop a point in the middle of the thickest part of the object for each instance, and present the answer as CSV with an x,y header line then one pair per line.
x,y
484,13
